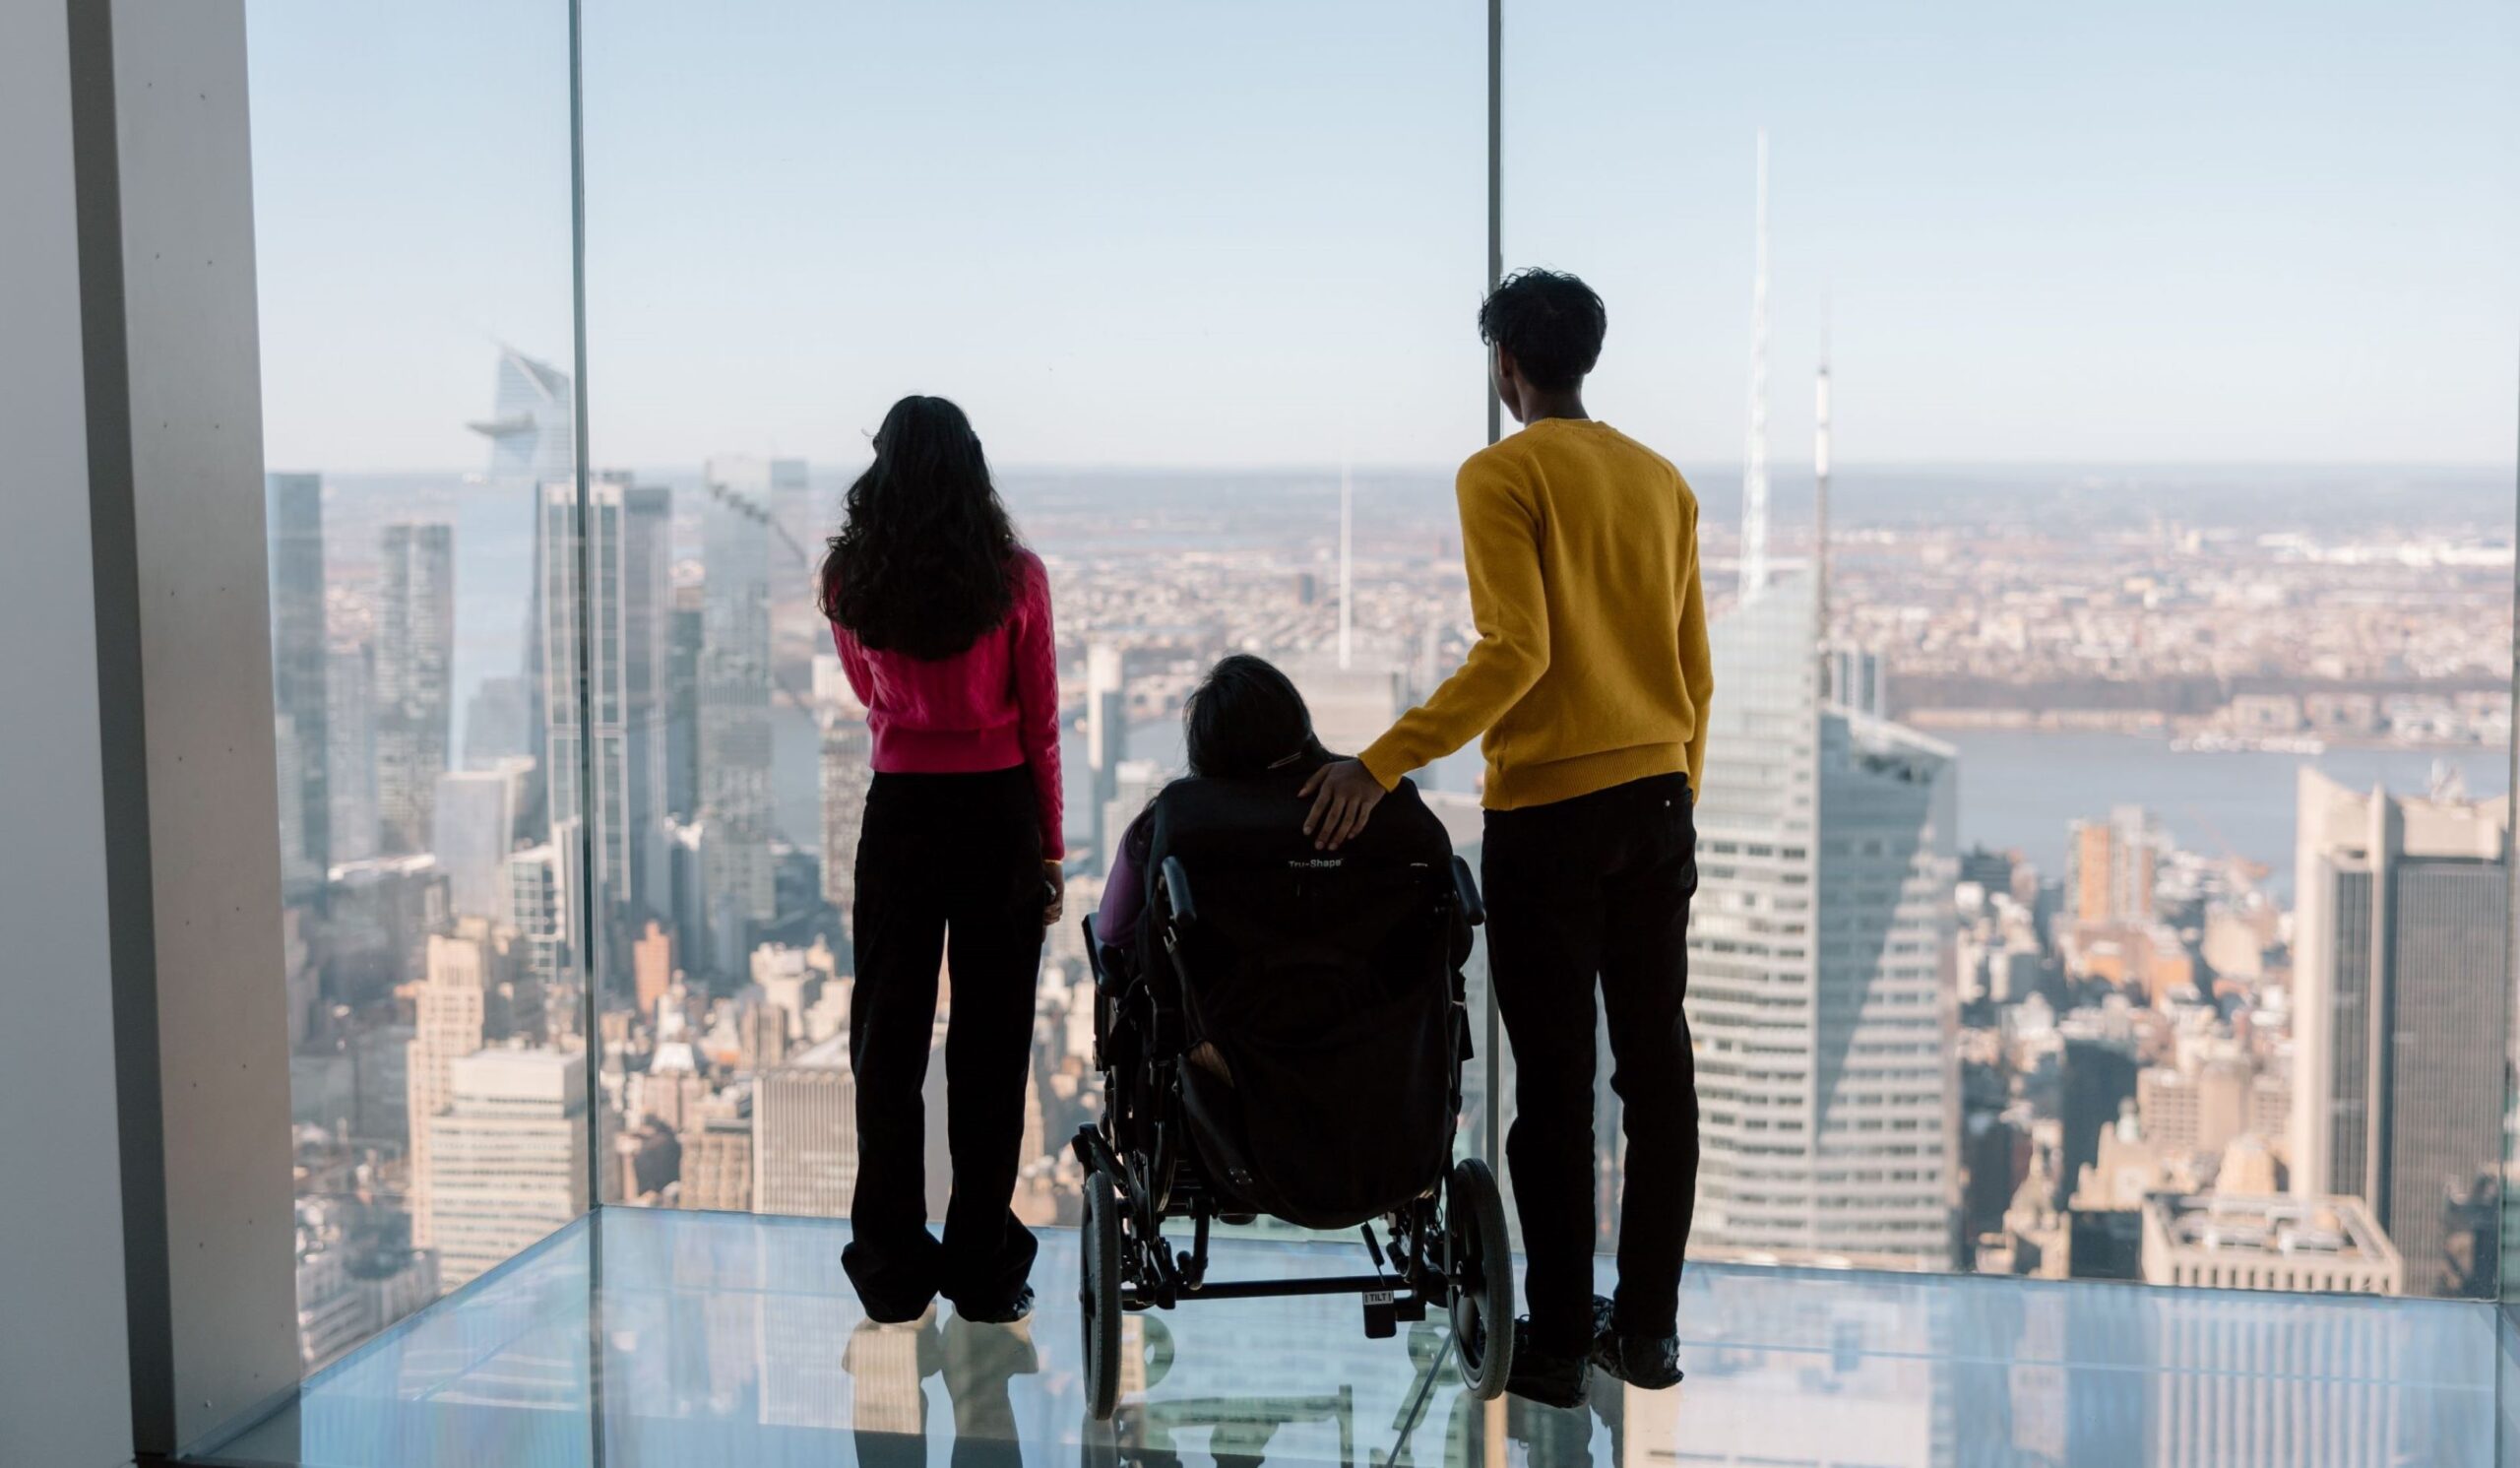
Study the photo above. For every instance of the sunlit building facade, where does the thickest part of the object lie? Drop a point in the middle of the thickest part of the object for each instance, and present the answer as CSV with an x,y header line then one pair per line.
x,y
1821,958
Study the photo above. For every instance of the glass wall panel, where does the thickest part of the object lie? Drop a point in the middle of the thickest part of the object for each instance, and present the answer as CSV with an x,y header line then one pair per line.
x,y
411,191
2104,846
1199,277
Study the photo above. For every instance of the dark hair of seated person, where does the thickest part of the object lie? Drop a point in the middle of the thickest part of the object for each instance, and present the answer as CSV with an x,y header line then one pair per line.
x,y
1246,719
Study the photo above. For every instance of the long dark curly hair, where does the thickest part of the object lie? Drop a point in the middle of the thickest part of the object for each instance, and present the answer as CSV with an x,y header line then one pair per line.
x,y
923,563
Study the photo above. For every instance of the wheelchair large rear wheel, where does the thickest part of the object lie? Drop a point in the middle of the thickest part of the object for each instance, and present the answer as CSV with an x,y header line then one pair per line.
x,y
1097,1298
1479,1269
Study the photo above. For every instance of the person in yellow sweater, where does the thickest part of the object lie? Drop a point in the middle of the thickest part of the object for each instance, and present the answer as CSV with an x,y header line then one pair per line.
x,y
1588,688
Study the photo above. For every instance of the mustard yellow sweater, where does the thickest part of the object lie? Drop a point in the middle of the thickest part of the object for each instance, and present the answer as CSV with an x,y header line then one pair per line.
x,y
1591,667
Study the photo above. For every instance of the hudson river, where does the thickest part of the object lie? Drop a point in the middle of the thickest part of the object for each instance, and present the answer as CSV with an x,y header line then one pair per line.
x,y
2017,790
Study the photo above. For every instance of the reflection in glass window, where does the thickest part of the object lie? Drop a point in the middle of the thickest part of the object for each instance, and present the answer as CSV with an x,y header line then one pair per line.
x,y
414,295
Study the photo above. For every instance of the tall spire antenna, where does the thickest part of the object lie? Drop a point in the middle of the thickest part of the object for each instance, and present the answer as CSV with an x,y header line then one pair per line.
x,y
1755,470
1821,500
1347,559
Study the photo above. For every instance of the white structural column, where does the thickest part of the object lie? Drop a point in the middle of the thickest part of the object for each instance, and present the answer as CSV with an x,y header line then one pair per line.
x,y
65,1388
173,416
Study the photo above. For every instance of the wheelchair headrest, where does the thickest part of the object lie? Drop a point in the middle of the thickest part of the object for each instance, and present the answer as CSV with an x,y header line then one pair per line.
x,y
1259,821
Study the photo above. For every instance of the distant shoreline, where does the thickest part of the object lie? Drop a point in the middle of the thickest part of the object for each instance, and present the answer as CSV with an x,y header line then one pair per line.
x,y
2159,729
2021,789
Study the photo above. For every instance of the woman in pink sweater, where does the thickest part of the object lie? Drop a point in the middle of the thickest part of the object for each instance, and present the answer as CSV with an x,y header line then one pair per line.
x,y
943,623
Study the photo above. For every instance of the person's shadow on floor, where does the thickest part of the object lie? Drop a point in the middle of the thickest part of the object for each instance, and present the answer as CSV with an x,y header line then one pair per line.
x,y
888,1366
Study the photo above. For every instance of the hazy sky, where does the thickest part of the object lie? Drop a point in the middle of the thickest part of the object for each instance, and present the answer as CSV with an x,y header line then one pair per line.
x,y
1253,232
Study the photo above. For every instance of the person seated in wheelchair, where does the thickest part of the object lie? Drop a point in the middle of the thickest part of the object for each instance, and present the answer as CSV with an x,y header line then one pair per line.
x,y
1244,721
1317,992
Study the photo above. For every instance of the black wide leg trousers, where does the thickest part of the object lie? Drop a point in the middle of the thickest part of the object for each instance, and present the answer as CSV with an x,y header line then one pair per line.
x,y
1584,894
949,874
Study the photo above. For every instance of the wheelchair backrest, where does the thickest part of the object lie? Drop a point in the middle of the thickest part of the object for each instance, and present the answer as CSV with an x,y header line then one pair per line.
x,y
1285,932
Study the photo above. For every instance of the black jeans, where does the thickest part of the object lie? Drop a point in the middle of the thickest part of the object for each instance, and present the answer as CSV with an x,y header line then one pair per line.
x,y
1596,888
949,867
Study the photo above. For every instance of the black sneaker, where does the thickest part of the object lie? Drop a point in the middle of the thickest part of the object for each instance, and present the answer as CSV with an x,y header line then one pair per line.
x,y
1542,1376
1003,1313
1647,1362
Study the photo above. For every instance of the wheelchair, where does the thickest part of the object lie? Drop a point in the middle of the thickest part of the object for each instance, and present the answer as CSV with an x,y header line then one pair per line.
x,y
1288,1041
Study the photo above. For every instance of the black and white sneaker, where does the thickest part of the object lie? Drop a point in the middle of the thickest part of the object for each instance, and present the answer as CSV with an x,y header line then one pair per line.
x,y
1647,1362
1541,1377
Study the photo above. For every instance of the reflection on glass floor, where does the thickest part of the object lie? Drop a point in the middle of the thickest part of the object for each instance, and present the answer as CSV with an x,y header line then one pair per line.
x,y
639,1338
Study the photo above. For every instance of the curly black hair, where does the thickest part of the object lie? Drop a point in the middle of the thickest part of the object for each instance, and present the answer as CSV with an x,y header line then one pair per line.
x,y
1551,321
924,561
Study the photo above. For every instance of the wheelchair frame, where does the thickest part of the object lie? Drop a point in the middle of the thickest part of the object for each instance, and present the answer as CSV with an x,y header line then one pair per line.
x,y
1446,1247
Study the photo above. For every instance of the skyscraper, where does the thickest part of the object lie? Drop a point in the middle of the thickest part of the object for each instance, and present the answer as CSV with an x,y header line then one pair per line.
x,y
533,424
684,624
643,606
293,504
495,719
1823,985
717,1164
734,704
1821,962
532,434
652,968
379,914
629,556
1858,680
297,874
2399,1004
415,651
2110,867
1107,734
1351,705
349,749
805,1134
457,1009
507,1156
1133,789
476,815
542,906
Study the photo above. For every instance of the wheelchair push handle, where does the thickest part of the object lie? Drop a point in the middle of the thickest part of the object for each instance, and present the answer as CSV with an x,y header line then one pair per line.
x,y
1466,891
1177,891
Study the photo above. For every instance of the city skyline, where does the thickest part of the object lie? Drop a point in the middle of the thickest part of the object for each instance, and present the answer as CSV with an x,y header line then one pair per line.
x,y
1914,1050
2089,1016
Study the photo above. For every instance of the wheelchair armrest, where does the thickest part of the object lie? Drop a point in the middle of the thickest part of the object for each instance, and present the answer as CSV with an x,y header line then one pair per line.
x,y
1108,961
1466,890
1093,950
1174,883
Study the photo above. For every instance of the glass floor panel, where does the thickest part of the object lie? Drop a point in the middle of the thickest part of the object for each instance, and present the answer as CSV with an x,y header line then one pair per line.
x,y
636,1338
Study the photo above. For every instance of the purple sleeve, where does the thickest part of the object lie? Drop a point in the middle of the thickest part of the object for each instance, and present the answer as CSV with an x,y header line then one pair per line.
x,y
1123,891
